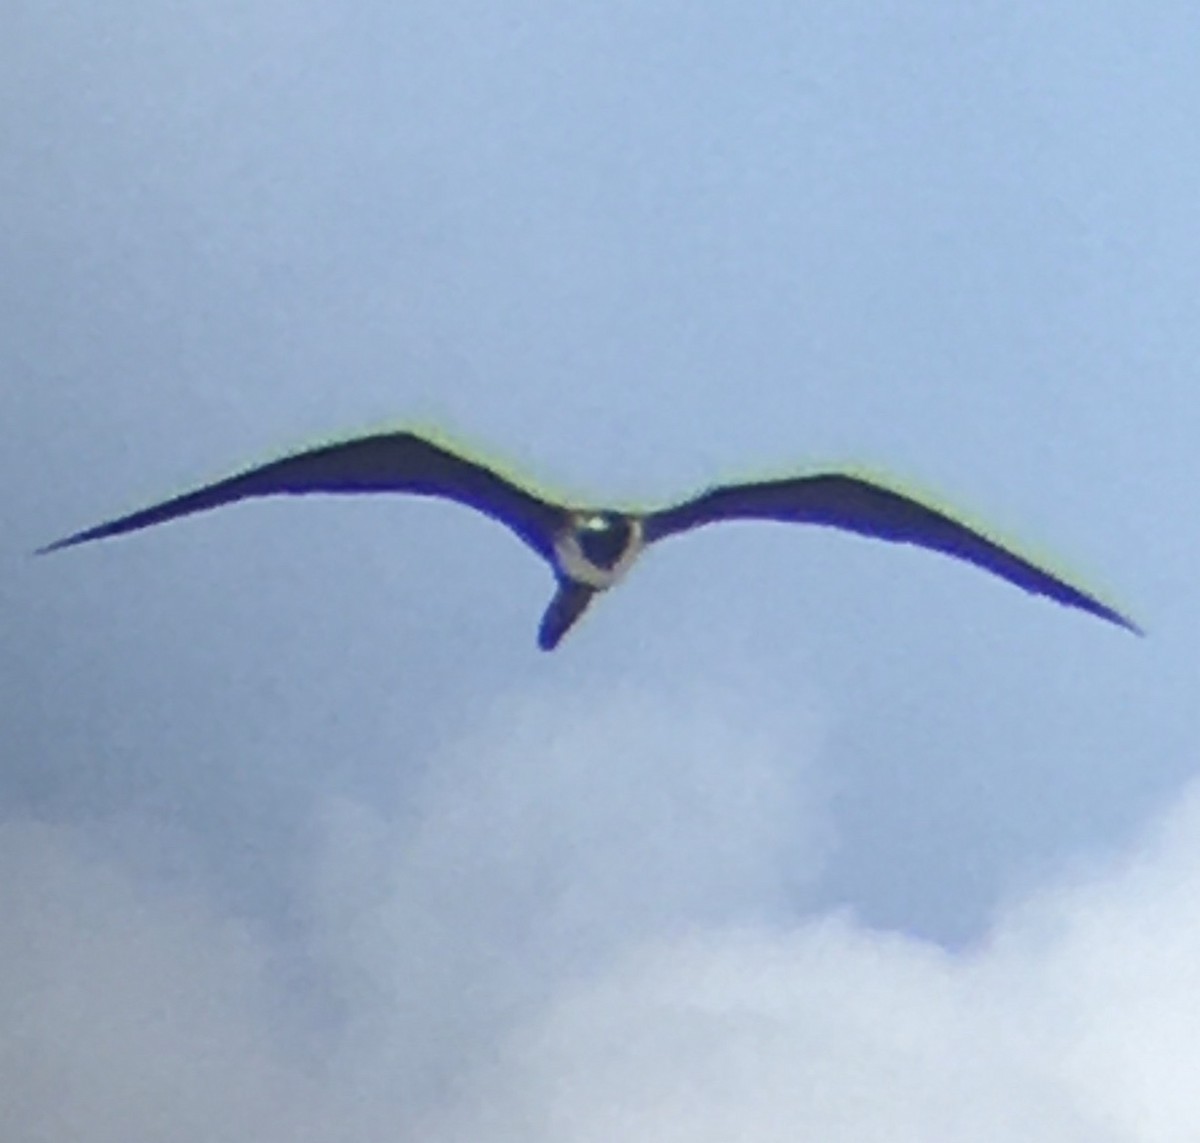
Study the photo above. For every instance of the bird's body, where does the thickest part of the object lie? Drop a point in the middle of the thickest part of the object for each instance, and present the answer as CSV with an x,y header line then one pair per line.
x,y
598,548
590,550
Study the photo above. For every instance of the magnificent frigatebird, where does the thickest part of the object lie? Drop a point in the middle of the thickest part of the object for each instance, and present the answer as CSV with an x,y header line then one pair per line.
x,y
590,549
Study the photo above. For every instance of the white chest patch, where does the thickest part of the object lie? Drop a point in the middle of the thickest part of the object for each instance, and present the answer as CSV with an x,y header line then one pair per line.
x,y
574,561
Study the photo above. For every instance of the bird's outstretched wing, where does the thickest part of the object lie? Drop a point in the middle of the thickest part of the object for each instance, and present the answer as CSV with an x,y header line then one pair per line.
x,y
384,462
858,505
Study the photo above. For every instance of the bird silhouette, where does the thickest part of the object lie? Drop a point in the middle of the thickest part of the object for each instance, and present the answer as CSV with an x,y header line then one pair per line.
x,y
591,549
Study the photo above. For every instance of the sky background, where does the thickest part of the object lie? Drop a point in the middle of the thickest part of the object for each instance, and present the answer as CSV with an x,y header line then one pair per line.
x,y
797,835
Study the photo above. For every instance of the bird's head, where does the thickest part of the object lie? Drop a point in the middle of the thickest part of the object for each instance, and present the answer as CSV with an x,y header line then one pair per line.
x,y
603,537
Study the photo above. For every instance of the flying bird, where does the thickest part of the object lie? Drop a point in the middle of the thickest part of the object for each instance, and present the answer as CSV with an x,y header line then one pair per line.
x,y
589,550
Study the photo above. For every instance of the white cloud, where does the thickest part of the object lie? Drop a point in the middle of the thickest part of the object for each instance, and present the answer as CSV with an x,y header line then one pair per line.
x,y
580,936
1079,1020
557,833
128,1016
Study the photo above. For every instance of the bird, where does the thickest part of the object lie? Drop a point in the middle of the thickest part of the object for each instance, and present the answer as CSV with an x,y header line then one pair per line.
x,y
590,550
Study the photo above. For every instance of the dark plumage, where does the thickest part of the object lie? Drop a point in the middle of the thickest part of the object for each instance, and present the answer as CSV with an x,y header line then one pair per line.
x,y
590,550
383,462
856,505
605,538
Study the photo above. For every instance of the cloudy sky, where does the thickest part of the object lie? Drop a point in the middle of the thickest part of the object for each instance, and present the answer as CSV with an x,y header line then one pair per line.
x,y
797,836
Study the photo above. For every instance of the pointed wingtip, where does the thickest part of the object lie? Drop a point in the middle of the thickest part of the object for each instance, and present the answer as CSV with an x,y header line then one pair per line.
x,y
86,536
58,545
1131,627
1102,611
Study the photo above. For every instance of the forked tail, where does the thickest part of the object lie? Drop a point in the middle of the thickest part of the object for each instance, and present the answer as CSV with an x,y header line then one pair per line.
x,y
569,603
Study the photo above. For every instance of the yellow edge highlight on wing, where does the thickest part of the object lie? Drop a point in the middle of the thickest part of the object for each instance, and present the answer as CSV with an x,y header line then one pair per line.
x,y
502,466
1036,553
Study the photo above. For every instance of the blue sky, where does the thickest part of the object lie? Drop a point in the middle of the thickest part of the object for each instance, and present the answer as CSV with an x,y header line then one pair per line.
x,y
288,791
